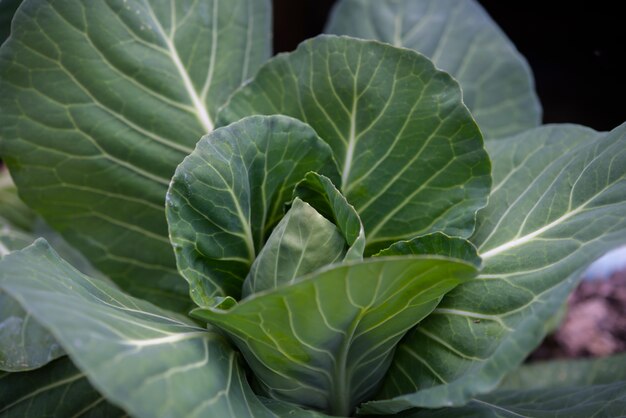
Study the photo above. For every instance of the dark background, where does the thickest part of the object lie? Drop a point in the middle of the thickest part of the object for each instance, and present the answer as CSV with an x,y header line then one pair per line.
x,y
576,52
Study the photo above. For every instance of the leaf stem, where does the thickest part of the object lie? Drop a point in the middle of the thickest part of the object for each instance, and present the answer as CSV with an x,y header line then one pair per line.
x,y
340,402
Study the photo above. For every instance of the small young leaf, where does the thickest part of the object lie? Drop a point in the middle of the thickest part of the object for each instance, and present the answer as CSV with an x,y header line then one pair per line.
x,y
320,192
301,243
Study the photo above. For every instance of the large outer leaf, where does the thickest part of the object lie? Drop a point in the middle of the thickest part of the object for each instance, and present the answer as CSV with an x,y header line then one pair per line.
x,y
302,242
558,204
99,104
226,197
57,390
411,155
597,401
148,361
559,373
62,390
326,341
284,409
24,344
460,38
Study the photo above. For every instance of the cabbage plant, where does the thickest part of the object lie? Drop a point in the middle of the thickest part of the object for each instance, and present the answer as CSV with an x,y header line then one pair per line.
x,y
372,224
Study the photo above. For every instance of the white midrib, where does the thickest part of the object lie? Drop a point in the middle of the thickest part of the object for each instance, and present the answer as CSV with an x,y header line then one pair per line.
x,y
526,238
340,393
201,111
350,149
169,339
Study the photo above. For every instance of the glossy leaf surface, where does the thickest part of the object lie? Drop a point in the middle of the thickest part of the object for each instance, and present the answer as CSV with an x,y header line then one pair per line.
x,y
302,242
100,102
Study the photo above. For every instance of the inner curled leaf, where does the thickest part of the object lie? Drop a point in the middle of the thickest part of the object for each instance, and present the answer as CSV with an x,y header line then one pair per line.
x,y
302,242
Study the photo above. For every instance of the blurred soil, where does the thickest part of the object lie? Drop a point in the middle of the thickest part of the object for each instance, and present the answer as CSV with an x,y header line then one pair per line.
x,y
595,323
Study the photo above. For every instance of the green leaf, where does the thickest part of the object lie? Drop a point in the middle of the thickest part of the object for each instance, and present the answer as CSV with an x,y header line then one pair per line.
x,y
301,243
19,226
411,156
559,373
320,192
99,105
559,203
24,344
582,402
327,340
57,390
285,409
460,38
148,361
226,197
435,244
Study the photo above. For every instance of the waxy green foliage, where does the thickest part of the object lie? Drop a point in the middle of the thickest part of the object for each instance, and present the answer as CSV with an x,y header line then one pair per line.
x,y
461,39
327,340
100,102
24,343
351,243
559,202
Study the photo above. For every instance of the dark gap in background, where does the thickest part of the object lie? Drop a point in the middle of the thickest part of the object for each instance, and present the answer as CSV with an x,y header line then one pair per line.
x,y
576,52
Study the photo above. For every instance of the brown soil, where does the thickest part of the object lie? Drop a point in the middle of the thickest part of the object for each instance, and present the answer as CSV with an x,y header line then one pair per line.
x,y
595,324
